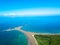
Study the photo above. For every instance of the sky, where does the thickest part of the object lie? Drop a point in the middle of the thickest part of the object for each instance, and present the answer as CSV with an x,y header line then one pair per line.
x,y
33,7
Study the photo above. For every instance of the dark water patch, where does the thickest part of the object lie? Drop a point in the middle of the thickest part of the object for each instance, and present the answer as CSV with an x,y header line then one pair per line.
x,y
12,38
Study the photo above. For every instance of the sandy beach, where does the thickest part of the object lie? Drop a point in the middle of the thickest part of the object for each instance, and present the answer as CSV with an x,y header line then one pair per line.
x,y
30,35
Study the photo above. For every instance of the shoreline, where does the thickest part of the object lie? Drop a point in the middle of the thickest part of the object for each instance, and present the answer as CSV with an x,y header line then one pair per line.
x,y
30,35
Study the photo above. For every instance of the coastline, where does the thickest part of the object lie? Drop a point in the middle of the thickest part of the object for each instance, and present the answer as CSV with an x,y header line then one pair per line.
x,y
30,35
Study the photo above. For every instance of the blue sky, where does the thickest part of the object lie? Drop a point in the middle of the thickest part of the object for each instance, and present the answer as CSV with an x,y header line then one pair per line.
x,y
9,5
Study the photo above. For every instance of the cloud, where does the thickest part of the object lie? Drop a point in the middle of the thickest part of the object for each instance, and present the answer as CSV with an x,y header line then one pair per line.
x,y
32,12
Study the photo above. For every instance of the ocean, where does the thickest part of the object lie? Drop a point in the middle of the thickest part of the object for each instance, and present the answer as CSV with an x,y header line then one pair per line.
x,y
12,38
43,24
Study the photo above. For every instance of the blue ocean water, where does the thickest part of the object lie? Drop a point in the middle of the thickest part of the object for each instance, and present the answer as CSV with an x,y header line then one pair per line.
x,y
46,24
12,38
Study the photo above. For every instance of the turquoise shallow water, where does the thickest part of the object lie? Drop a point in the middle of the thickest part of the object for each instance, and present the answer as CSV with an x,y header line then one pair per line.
x,y
13,38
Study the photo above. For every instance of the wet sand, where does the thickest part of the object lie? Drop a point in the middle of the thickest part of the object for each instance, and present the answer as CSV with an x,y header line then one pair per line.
x,y
30,36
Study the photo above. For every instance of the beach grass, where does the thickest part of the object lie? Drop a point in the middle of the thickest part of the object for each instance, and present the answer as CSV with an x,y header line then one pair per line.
x,y
48,39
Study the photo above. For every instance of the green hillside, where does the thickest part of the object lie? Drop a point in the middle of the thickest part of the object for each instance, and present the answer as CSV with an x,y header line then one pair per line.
x,y
48,39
